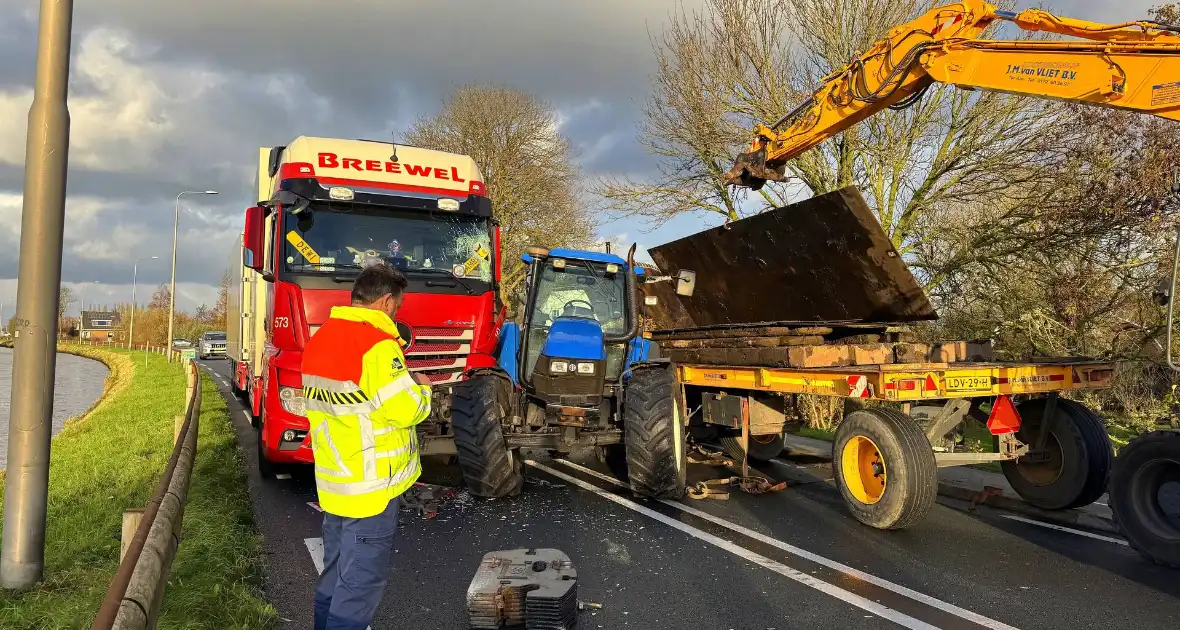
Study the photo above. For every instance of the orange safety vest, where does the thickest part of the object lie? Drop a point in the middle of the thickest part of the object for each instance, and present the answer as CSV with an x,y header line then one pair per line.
x,y
362,405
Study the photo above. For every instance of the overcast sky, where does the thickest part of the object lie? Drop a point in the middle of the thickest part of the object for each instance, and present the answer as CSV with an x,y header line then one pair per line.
x,y
172,96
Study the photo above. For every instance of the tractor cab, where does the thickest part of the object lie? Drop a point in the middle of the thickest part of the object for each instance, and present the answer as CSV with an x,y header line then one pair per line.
x,y
578,320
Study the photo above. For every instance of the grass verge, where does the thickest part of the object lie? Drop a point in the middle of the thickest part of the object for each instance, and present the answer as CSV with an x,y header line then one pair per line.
x,y
111,459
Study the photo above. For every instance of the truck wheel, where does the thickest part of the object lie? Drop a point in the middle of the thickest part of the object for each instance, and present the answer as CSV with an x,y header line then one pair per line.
x,y
1079,457
763,448
884,467
490,468
1145,496
653,433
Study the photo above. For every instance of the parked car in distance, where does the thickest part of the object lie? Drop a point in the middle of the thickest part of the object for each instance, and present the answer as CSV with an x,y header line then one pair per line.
x,y
211,344
181,344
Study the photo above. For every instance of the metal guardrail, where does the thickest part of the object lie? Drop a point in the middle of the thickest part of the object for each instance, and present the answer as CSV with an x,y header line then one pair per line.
x,y
136,593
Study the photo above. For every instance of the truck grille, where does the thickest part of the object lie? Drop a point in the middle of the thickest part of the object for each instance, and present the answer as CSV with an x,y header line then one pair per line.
x,y
440,353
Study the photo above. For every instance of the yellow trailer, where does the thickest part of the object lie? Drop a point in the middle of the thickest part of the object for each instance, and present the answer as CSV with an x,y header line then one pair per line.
x,y
1053,451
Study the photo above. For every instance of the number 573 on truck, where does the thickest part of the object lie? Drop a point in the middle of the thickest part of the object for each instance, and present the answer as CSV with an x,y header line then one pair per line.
x,y
325,207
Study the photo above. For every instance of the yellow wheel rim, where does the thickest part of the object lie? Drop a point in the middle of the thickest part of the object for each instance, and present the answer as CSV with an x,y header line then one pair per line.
x,y
863,469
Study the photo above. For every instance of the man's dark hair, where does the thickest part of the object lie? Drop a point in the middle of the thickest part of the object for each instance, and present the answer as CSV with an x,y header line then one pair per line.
x,y
376,281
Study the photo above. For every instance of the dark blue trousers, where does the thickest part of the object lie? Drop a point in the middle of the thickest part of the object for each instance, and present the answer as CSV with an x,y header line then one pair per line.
x,y
358,557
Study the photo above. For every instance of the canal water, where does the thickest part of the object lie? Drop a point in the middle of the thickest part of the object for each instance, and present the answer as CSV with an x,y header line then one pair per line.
x,y
78,384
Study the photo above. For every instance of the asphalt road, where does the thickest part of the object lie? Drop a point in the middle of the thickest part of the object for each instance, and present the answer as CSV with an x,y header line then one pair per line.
x,y
792,559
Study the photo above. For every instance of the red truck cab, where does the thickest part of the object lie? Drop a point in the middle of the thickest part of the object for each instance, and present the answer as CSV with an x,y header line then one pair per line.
x,y
326,207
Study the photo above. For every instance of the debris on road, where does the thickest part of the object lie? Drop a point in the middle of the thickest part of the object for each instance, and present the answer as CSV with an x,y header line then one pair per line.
x,y
750,484
537,588
425,499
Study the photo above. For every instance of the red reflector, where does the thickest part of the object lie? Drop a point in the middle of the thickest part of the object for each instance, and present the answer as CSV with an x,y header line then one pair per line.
x,y
477,188
296,170
1056,377
1003,380
909,386
930,384
1004,418
890,385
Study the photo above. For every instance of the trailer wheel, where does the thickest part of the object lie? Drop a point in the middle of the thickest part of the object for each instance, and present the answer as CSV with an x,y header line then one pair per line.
x,y
1145,496
1079,457
763,448
653,433
884,467
478,406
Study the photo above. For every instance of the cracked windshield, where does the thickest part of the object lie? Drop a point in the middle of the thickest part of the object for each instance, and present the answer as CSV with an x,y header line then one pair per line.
x,y
329,241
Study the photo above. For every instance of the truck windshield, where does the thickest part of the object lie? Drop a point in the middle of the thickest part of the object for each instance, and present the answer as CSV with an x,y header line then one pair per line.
x,y
331,240
581,289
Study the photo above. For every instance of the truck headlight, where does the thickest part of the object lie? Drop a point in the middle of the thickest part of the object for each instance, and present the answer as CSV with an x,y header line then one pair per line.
x,y
585,368
291,398
559,367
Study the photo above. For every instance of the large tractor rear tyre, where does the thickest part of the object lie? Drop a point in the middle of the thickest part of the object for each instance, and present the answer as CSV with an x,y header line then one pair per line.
x,y
478,407
1145,496
1079,457
885,468
653,433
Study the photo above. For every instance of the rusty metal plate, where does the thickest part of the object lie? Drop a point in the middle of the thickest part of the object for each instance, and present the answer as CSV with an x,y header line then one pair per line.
x,y
825,259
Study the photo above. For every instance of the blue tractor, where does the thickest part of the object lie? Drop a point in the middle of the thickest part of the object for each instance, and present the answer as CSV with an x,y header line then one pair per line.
x,y
575,372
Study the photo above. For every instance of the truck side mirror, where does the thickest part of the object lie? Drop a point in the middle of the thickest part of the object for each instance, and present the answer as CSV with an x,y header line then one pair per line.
x,y
686,282
253,239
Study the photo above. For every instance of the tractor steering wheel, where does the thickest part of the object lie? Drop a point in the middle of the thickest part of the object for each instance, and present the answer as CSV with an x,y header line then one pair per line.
x,y
571,309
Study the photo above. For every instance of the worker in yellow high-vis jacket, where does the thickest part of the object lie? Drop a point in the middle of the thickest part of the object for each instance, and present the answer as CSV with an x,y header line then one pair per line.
x,y
363,405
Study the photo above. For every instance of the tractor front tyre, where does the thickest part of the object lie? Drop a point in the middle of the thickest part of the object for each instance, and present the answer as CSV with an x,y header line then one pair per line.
x,y
1145,496
490,468
653,433
885,468
1075,467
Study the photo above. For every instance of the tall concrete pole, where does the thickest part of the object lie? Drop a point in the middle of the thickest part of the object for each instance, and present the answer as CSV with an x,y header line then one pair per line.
x,y
172,290
22,557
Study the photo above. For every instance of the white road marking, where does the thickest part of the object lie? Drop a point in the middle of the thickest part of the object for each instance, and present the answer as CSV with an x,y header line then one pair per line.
x,y
863,603
315,546
246,414
933,602
282,476
1117,541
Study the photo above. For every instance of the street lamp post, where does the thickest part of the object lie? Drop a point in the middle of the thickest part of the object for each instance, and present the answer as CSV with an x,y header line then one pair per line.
x,y
172,290
26,498
134,272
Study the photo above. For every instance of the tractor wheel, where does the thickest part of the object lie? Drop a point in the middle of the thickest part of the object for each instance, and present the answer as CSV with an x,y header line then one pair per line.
x,y
763,448
653,433
885,468
1079,457
1145,496
490,468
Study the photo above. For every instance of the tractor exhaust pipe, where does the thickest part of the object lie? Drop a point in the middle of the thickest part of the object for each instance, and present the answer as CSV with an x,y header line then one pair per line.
x,y
632,297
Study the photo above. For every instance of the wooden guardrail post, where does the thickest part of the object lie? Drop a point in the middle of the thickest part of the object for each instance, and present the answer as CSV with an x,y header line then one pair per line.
x,y
131,519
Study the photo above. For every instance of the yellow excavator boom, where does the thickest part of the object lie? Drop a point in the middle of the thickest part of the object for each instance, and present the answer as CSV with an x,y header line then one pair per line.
x,y
1133,66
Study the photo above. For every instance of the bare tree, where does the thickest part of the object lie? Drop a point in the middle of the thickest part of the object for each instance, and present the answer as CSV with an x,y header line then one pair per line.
x,y
527,163
161,298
